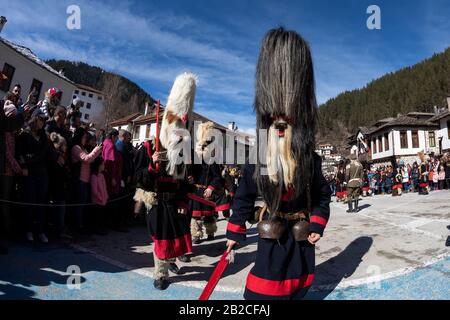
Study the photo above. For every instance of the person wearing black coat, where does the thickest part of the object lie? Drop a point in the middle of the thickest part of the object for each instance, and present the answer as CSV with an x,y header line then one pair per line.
x,y
7,124
33,153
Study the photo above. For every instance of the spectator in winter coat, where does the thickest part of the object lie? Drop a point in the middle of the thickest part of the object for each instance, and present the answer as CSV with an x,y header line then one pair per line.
x,y
99,195
113,176
10,120
59,182
81,173
441,177
405,179
113,163
435,169
51,102
447,173
57,124
415,177
33,153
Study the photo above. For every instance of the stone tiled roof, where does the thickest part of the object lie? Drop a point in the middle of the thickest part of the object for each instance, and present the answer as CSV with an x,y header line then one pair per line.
x,y
404,121
440,116
125,120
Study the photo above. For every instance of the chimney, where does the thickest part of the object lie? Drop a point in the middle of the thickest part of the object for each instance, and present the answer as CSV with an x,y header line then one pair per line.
x,y
147,108
2,22
232,126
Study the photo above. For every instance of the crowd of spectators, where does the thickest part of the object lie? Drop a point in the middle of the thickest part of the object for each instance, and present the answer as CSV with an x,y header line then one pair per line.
x,y
58,175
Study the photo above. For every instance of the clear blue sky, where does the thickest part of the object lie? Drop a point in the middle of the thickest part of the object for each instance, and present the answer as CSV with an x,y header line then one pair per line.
x,y
152,41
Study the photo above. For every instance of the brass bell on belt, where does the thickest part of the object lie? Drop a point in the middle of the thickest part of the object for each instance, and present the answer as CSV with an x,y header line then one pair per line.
x,y
301,230
273,228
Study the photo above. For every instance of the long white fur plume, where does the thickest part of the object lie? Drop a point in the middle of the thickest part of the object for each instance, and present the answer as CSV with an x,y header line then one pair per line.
x,y
180,103
182,96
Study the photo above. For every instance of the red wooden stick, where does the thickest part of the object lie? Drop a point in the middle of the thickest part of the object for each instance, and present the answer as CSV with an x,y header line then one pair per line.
x,y
158,107
215,277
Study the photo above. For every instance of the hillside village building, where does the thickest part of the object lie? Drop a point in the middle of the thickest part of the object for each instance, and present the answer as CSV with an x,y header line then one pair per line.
x,y
401,138
92,104
143,127
21,66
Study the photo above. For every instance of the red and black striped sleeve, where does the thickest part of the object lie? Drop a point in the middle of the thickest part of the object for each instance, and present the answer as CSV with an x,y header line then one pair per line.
x,y
243,206
321,198
215,177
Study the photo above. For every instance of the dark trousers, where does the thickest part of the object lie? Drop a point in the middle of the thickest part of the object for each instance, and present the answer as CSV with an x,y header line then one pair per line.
x,y
35,192
81,198
6,192
98,217
388,188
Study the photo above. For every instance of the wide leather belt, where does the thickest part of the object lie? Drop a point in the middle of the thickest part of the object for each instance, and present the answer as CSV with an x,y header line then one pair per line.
x,y
166,196
301,215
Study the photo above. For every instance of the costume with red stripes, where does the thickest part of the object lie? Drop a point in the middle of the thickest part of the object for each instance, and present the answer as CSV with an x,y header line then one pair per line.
x,y
169,230
283,269
224,204
205,176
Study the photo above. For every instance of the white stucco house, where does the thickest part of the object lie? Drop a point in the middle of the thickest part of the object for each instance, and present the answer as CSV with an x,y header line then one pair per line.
x,y
92,103
22,66
403,137
443,133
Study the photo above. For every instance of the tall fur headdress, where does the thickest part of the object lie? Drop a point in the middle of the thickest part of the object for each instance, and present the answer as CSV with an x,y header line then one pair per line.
x,y
178,116
285,106
206,144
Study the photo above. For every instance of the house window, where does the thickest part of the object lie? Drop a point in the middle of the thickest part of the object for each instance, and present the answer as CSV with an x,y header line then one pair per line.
x,y
91,95
375,147
386,141
88,105
100,98
83,93
77,92
36,85
380,143
415,139
74,97
86,117
82,103
432,139
147,131
8,70
136,132
403,140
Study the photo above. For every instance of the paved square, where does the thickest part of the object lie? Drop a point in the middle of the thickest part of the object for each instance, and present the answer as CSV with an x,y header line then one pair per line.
x,y
394,248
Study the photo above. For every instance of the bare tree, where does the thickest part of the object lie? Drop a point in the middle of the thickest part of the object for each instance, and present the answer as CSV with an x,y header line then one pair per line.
x,y
112,103
134,103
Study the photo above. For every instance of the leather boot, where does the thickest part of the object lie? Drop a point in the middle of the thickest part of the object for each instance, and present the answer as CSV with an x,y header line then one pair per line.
x,y
161,284
356,209
350,207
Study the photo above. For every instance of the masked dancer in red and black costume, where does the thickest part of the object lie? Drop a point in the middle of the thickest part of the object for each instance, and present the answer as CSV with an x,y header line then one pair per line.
x,y
289,179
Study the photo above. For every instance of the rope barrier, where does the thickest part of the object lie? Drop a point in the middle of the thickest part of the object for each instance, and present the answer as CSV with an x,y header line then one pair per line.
x,y
51,205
